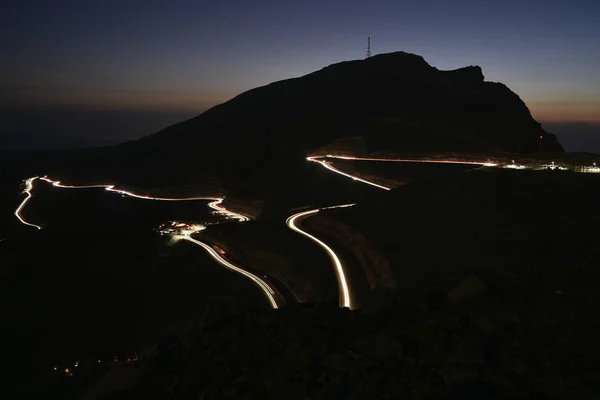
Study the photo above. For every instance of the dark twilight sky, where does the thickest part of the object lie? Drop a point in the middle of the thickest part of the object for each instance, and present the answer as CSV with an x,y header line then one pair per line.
x,y
185,56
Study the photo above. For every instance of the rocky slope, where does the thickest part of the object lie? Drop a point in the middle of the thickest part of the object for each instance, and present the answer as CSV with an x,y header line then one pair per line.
x,y
475,341
497,274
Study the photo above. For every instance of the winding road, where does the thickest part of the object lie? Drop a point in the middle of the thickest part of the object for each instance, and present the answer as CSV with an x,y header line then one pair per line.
x,y
322,160
27,191
274,298
269,293
215,204
293,222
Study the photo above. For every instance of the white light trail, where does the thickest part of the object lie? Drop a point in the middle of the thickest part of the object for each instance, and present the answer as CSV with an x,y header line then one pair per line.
x,y
111,188
330,167
269,293
337,171
215,204
345,300
487,163
28,188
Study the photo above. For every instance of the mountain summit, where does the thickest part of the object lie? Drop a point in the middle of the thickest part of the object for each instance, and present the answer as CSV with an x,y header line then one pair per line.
x,y
388,92
396,102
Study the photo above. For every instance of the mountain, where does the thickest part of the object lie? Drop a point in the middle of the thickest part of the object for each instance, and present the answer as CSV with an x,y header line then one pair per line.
x,y
395,102
577,136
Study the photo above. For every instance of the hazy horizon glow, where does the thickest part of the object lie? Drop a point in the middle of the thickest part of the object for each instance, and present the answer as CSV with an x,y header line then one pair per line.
x,y
190,55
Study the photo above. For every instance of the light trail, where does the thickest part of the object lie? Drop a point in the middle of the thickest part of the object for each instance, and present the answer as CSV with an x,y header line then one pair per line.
x,y
28,188
292,223
337,171
269,293
487,164
215,204
329,166
345,300
111,188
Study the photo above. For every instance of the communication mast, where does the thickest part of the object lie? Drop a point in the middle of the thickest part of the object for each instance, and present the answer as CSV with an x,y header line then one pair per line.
x,y
368,47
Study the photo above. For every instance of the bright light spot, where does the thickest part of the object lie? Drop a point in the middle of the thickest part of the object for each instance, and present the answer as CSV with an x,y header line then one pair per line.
x,y
593,170
514,166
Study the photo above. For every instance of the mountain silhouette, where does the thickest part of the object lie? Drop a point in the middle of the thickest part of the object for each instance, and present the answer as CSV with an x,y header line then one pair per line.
x,y
395,102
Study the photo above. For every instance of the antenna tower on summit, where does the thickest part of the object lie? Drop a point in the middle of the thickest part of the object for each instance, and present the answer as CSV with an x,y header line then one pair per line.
x,y
368,47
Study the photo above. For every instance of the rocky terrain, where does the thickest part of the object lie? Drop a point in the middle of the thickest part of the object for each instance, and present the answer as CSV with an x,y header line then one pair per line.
x,y
478,340
495,300
375,266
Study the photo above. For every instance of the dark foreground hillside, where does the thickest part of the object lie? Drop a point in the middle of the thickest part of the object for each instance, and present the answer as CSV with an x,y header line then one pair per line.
x,y
503,224
496,298
474,342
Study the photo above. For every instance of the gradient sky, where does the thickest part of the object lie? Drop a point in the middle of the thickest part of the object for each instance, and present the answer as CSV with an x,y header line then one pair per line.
x,y
189,55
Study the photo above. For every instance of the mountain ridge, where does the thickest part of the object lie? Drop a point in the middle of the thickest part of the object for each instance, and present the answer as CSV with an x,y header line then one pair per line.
x,y
400,68
396,102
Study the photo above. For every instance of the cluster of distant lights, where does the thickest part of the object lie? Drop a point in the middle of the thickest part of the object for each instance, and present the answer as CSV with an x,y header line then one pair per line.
x,y
553,166
179,228
68,371
513,165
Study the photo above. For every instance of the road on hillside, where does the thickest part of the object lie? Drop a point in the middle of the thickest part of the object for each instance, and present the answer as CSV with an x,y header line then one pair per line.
x,y
274,297
294,223
347,296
